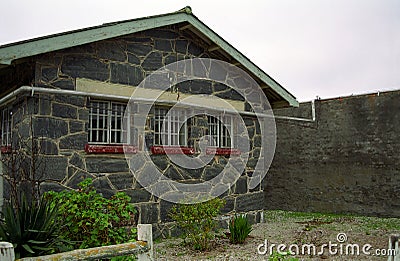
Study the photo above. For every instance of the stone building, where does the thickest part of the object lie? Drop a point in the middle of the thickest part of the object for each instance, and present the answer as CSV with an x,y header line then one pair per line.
x,y
72,90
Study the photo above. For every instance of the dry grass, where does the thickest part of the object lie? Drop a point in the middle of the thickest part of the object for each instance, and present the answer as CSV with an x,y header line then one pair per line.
x,y
282,227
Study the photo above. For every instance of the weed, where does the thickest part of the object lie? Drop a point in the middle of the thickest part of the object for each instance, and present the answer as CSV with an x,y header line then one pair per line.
x,y
275,256
239,228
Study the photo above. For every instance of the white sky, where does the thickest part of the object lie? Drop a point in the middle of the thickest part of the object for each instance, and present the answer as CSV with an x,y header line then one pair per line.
x,y
325,48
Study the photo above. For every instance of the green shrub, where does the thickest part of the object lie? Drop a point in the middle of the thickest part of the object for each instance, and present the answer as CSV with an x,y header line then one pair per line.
x,y
31,227
197,221
240,228
92,220
275,256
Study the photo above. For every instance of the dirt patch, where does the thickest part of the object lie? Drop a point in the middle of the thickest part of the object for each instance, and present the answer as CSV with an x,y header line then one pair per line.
x,y
296,229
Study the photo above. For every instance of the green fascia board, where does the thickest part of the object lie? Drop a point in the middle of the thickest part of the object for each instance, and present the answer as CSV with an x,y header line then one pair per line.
x,y
11,52
14,51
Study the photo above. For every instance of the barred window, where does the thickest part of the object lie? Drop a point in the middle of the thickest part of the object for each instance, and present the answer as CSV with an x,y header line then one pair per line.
x,y
106,121
6,117
172,131
220,129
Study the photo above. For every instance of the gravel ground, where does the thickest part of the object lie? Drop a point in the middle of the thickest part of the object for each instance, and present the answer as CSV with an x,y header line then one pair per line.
x,y
295,228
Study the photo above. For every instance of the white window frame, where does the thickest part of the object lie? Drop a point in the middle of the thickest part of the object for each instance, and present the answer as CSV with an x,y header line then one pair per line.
x,y
220,130
6,122
168,127
108,118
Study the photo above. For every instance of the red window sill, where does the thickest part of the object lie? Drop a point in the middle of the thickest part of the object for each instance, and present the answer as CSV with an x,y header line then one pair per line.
x,y
109,149
5,149
172,150
222,151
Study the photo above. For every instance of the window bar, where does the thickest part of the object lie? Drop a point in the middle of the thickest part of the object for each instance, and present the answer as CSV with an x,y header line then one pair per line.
x,y
98,122
159,126
2,127
185,129
169,132
172,127
116,118
128,120
226,136
169,128
106,120
107,123
8,130
163,126
90,124
120,120
218,132
231,134
104,123
115,123
215,132
9,114
225,132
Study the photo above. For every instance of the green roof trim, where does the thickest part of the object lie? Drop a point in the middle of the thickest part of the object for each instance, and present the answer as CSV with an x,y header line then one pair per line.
x,y
18,50
55,42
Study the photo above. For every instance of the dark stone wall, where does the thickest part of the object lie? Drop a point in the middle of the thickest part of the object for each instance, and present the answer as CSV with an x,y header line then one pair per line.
x,y
128,60
348,161
16,75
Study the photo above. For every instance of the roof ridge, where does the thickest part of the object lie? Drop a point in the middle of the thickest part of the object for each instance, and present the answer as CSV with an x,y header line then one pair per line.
x,y
187,9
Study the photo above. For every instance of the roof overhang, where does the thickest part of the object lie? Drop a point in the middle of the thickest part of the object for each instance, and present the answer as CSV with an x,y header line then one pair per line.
x,y
19,50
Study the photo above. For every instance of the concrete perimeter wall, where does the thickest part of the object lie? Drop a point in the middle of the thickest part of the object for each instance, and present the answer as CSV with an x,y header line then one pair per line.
x,y
348,161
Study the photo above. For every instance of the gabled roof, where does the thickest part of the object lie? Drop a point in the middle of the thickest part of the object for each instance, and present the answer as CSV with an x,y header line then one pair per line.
x,y
22,49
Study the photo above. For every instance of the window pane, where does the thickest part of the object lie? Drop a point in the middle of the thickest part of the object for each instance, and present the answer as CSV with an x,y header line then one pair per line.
x,y
220,131
97,121
105,122
117,117
168,133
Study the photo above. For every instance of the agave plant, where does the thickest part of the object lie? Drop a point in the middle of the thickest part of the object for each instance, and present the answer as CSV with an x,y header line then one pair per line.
x,y
31,228
239,228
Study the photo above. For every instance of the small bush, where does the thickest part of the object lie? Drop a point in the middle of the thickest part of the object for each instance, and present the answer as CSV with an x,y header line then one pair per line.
x,y
31,228
91,220
240,228
197,221
275,256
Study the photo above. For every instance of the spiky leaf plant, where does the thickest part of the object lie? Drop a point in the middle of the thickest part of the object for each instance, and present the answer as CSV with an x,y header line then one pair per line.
x,y
31,228
239,228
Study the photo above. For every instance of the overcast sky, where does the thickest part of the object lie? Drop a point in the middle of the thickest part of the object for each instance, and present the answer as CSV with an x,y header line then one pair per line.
x,y
325,48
